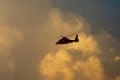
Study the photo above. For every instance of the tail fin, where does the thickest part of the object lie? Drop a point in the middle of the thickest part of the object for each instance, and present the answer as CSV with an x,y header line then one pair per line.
x,y
76,38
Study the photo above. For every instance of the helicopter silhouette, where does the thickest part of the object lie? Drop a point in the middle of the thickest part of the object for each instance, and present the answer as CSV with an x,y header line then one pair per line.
x,y
65,40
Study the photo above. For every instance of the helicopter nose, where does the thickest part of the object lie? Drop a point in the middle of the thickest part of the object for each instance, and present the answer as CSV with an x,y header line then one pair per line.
x,y
56,42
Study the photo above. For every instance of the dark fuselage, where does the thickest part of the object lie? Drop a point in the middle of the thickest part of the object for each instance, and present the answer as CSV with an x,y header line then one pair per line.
x,y
65,40
61,41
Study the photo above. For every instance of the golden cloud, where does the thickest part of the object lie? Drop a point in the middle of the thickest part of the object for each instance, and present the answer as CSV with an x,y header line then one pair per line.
x,y
87,44
56,66
91,69
9,37
62,25
117,78
60,65
117,58
76,61
65,23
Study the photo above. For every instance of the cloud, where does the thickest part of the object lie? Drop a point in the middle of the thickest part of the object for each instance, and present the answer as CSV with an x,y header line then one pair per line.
x,y
62,64
91,69
87,44
19,48
92,54
117,78
117,58
9,37
23,14
56,66
109,47
29,30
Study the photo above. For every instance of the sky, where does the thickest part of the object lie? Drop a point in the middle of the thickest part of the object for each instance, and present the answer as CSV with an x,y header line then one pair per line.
x,y
101,14
30,28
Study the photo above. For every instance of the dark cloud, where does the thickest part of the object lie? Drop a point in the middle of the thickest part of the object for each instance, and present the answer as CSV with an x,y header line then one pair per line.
x,y
101,14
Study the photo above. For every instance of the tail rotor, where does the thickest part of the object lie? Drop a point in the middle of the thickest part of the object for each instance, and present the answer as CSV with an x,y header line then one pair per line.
x,y
76,38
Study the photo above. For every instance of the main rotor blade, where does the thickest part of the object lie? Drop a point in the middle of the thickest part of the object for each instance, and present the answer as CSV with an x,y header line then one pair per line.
x,y
71,34
68,35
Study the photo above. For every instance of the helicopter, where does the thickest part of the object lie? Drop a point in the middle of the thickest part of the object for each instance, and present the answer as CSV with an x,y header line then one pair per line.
x,y
65,40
